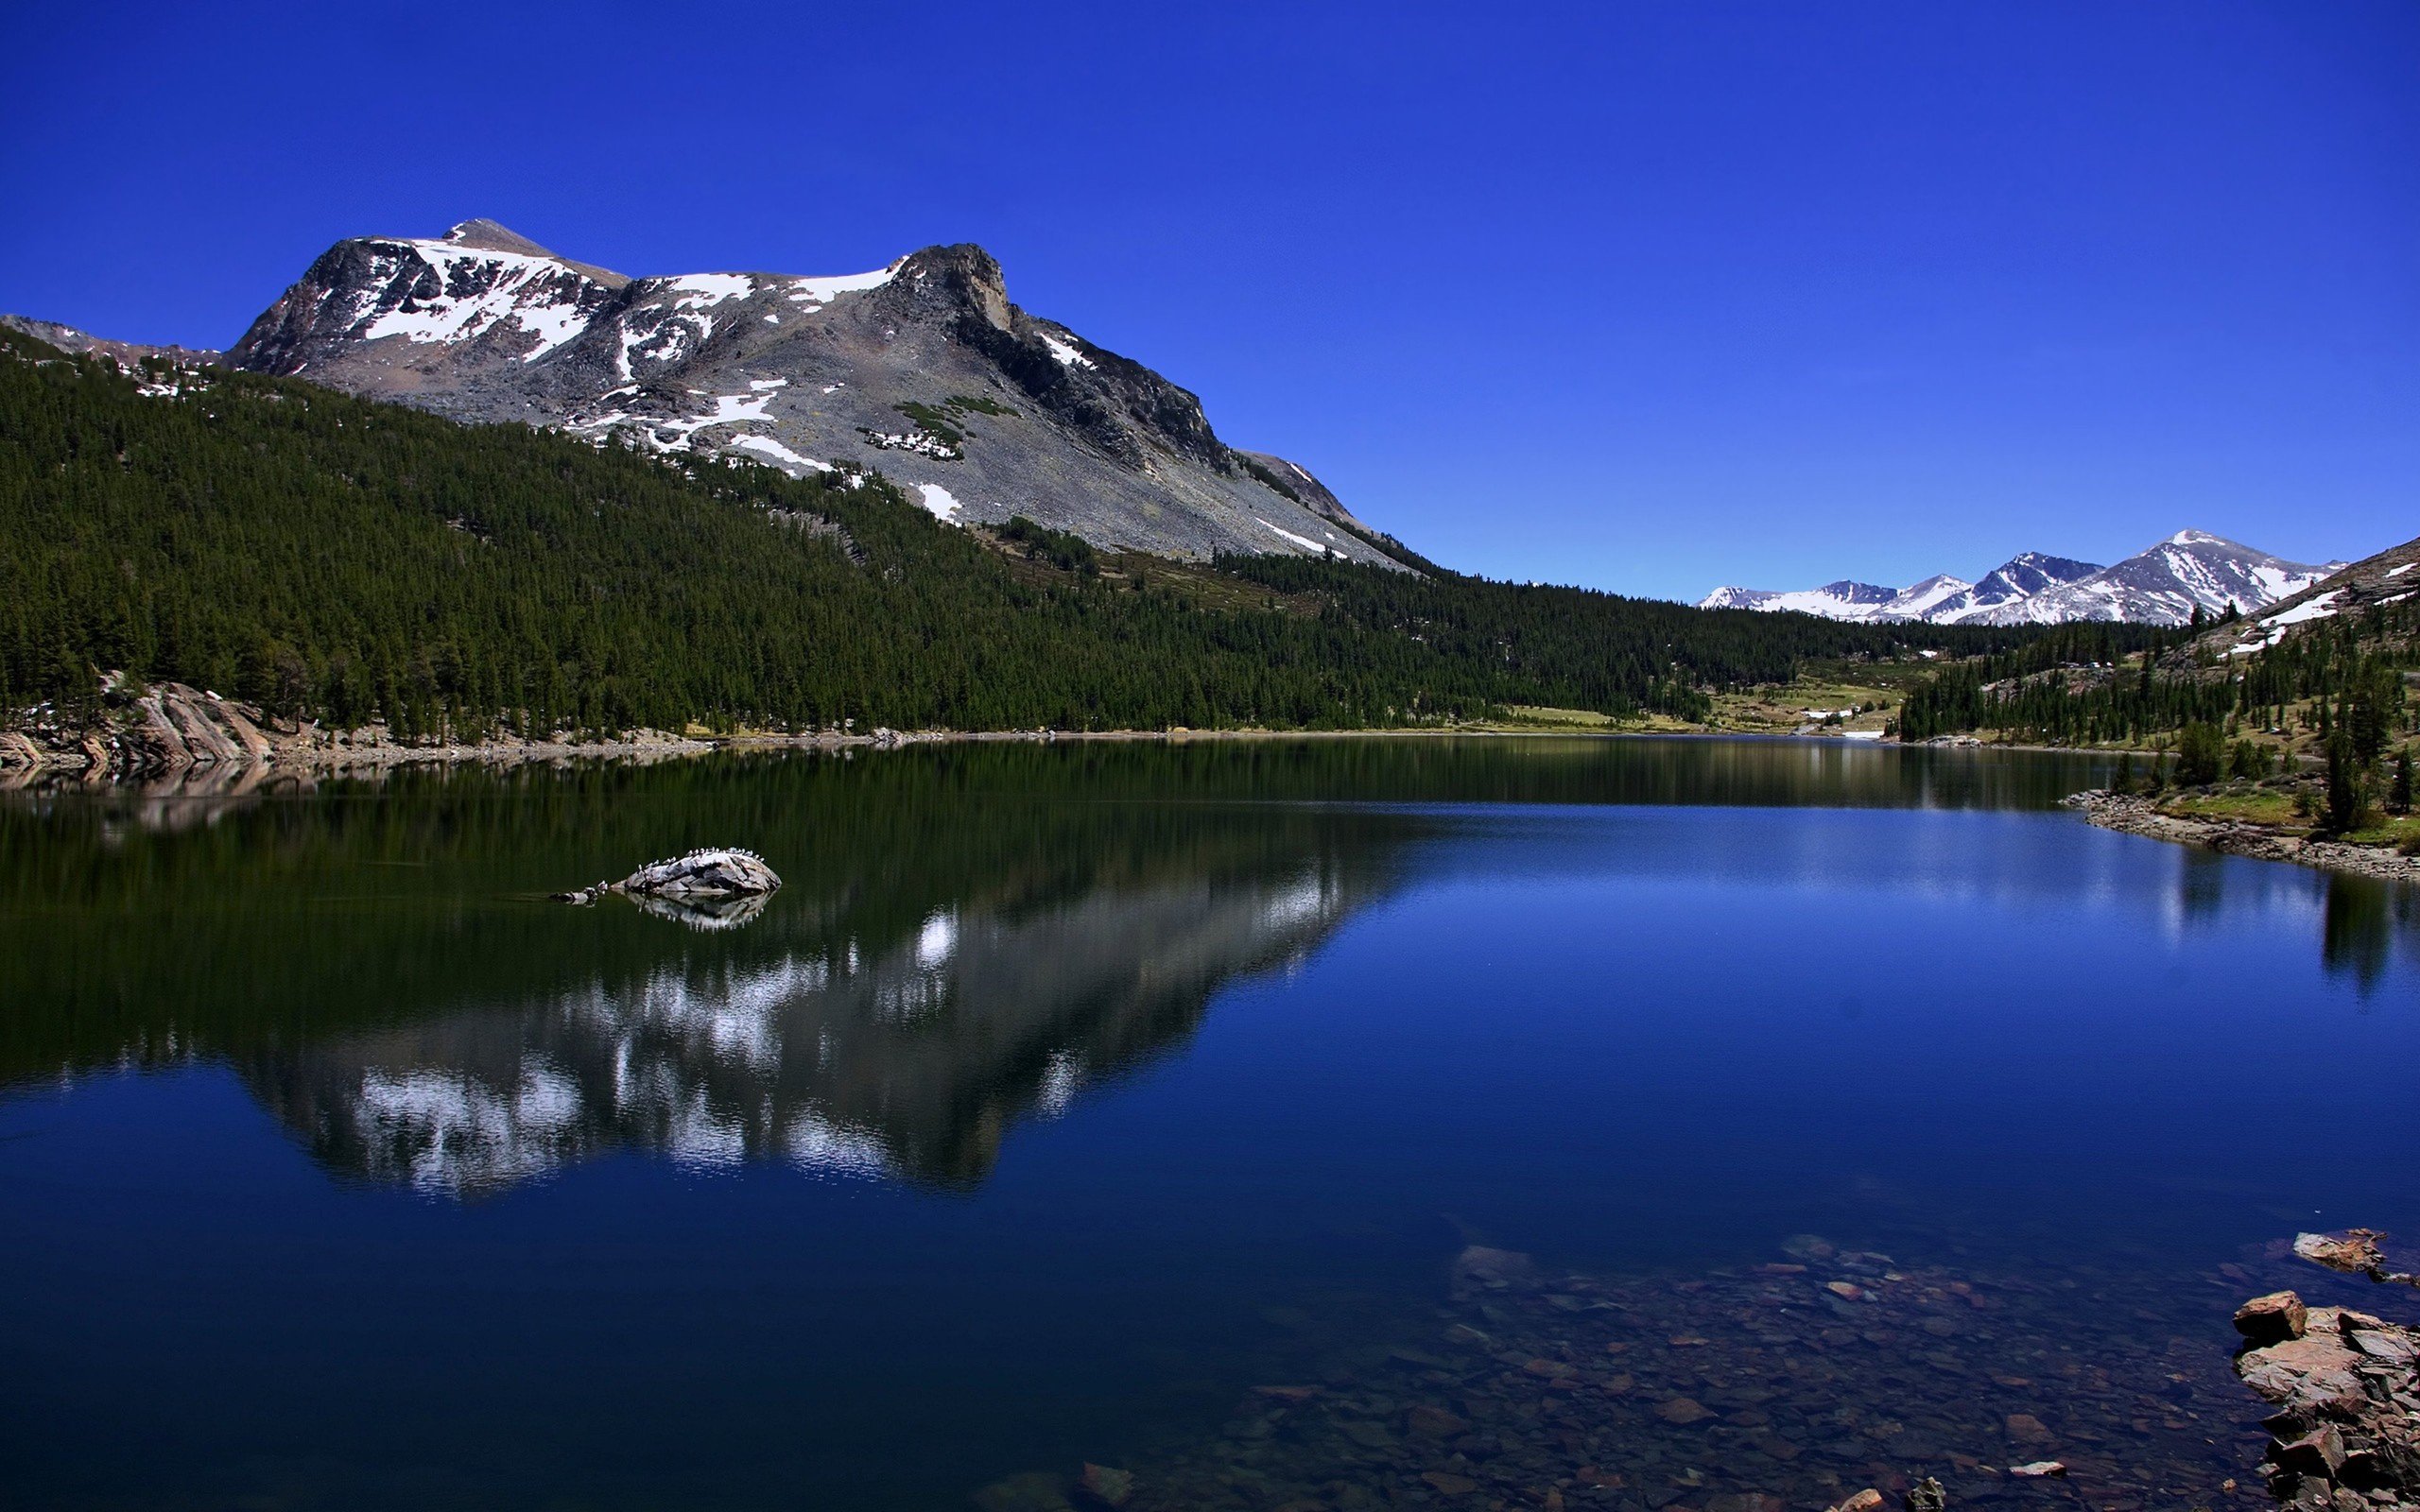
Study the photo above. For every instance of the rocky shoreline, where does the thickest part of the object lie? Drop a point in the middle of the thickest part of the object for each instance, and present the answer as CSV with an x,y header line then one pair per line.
x,y
2134,814
178,732
173,730
2346,1437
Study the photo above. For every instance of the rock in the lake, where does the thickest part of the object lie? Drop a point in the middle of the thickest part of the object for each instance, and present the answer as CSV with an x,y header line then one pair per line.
x,y
2272,1319
2039,1468
1435,1423
1498,1267
711,873
1865,1500
700,874
1926,1496
1034,1491
2355,1252
1107,1485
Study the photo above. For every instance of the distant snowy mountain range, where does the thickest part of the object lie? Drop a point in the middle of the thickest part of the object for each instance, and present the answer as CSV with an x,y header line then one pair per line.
x,y
2191,569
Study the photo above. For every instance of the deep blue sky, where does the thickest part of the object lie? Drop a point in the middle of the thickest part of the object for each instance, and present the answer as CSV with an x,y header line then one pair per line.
x,y
1648,297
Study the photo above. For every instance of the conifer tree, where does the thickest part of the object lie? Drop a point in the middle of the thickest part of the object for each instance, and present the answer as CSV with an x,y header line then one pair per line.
x,y
2344,803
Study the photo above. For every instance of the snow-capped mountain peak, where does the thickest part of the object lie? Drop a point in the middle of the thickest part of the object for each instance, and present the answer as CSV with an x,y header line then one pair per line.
x,y
1842,600
2162,585
923,369
1924,600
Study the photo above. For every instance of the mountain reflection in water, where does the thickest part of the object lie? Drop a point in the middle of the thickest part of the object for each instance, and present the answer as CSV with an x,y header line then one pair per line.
x,y
968,936
908,1058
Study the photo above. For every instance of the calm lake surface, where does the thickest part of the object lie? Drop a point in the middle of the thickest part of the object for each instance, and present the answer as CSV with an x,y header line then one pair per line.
x,y
1067,1095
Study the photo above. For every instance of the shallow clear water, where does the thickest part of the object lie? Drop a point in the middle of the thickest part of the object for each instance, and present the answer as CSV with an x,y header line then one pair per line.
x,y
1067,1095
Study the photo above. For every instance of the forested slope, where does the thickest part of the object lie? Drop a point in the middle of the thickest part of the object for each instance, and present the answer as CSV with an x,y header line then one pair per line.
x,y
2094,684
339,560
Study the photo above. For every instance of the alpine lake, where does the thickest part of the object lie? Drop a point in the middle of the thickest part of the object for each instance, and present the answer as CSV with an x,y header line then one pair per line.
x,y
1652,1124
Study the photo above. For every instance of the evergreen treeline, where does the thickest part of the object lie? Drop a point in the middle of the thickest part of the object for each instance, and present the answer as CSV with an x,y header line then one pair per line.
x,y
1577,649
331,558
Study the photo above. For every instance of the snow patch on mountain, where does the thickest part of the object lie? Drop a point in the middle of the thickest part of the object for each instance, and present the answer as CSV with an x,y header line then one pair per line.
x,y
697,291
1067,356
767,446
936,499
1304,541
474,290
821,291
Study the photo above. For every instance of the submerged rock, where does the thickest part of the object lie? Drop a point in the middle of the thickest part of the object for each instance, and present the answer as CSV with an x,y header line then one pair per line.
x,y
1106,1484
1034,1491
1494,1267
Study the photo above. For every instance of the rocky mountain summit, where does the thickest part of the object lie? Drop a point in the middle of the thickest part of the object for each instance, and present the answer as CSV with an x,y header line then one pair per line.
x,y
923,370
2161,585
